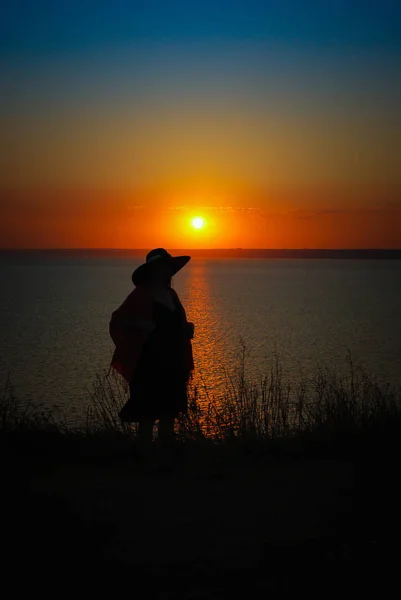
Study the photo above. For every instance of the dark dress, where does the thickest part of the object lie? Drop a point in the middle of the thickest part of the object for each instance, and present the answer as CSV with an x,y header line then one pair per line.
x,y
158,387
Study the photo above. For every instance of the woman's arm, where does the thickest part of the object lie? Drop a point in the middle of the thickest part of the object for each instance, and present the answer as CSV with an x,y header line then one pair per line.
x,y
188,335
189,327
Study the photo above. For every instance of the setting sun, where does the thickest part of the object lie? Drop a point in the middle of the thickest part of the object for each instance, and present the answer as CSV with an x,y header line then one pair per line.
x,y
198,222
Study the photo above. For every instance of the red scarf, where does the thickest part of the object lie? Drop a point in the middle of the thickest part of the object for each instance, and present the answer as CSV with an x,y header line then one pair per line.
x,y
129,343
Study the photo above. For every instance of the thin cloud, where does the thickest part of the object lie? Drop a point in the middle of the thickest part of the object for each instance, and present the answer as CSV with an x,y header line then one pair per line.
x,y
329,212
240,209
313,214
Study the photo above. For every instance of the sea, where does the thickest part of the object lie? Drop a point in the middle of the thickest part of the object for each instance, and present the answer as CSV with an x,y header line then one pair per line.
x,y
306,313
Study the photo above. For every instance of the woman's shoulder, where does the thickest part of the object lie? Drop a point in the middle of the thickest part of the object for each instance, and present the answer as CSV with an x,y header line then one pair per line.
x,y
138,299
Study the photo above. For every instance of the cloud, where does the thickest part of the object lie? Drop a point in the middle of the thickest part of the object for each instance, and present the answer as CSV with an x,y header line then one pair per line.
x,y
386,208
300,213
239,209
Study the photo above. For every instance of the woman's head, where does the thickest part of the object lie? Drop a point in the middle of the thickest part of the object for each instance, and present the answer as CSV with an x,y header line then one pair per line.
x,y
159,268
160,275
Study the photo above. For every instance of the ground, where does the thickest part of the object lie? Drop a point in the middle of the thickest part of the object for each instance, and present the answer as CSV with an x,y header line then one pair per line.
x,y
199,524
189,526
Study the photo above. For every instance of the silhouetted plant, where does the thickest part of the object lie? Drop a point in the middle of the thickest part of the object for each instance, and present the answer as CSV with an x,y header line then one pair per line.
x,y
329,407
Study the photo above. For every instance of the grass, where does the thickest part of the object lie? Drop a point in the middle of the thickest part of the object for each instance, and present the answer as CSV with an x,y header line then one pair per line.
x,y
330,412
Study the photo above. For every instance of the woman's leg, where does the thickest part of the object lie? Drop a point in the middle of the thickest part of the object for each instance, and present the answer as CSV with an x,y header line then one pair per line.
x,y
166,430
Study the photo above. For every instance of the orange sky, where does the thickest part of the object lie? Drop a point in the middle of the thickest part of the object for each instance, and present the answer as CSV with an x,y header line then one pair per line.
x,y
288,177
361,218
279,124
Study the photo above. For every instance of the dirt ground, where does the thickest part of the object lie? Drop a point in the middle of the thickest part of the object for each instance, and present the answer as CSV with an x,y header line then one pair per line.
x,y
200,523
185,527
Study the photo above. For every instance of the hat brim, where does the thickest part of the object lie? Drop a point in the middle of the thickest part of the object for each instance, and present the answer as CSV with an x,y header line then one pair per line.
x,y
143,272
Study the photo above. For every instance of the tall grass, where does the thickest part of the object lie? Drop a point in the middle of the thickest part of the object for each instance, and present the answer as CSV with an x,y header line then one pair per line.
x,y
30,415
330,408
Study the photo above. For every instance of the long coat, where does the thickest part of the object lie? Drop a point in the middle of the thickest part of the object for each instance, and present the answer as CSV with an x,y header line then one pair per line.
x,y
130,327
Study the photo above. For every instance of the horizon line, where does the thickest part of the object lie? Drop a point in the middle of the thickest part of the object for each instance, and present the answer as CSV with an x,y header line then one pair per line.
x,y
232,249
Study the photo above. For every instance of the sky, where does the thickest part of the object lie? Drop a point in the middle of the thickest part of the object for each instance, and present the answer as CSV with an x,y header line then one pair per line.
x,y
277,121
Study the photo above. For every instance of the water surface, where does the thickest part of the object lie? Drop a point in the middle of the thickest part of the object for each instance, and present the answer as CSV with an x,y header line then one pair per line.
x,y
55,310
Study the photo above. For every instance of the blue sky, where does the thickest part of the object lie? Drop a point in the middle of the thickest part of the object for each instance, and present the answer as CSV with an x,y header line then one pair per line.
x,y
121,45
34,30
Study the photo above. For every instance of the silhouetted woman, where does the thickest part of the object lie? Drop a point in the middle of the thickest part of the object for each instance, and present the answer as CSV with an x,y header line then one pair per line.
x,y
153,347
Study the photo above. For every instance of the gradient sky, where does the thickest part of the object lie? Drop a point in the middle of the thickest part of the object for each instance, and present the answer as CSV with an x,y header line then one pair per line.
x,y
278,121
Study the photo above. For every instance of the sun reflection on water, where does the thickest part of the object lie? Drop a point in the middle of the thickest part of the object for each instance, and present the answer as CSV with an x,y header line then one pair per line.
x,y
204,311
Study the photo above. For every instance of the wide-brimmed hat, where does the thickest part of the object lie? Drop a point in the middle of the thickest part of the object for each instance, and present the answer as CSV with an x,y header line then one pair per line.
x,y
153,259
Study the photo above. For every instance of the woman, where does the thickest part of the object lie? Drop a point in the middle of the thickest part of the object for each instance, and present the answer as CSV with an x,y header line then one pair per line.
x,y
153,347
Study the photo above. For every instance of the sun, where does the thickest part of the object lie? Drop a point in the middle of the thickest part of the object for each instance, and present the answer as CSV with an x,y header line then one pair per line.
x,y
198,222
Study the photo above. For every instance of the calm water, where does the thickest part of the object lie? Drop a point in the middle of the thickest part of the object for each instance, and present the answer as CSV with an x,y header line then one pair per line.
x,y
54,315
